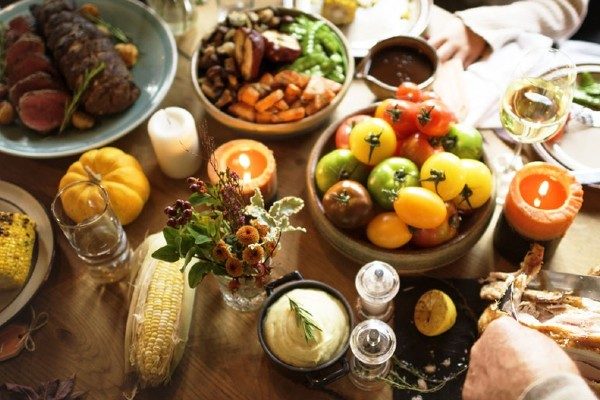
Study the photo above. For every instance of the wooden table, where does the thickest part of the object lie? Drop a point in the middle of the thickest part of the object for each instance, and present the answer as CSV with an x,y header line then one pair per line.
x,y
224,359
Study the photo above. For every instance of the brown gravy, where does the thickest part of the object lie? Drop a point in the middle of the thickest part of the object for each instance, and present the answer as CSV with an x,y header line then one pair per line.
x,y
394,65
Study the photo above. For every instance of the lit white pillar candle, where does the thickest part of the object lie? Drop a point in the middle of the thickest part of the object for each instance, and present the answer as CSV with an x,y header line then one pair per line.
x,y
174,138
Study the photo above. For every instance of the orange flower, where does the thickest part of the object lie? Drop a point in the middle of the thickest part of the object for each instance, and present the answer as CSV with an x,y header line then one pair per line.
x,y
247,235
234,267
221,252
253,255
263,230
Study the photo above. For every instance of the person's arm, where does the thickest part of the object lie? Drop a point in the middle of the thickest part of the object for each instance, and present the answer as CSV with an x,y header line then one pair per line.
x,y
557,19
511,362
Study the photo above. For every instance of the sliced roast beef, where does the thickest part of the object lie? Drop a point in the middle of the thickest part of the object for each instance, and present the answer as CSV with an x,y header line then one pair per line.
x,y
31,64
17,27
78,46
26,44
37,81
43,110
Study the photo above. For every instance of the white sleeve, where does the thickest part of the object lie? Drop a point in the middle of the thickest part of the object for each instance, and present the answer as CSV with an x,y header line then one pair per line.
x,y
564,386
498,25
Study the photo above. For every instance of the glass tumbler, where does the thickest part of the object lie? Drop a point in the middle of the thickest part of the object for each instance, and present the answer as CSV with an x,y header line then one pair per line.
x,y
82,211
178,14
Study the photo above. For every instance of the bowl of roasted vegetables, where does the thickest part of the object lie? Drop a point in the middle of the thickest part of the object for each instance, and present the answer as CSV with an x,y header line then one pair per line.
x,y
401,181
272,71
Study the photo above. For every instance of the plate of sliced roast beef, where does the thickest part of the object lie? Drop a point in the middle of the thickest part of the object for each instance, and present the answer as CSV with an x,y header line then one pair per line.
x,y
78,74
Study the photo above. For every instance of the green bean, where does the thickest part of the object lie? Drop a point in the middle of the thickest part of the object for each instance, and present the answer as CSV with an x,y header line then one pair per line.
x,y
587,100
310,60
337,76
308,41
328,39
337,58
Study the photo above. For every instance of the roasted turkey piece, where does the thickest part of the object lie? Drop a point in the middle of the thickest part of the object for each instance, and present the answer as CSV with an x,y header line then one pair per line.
x,y
78,45
571,321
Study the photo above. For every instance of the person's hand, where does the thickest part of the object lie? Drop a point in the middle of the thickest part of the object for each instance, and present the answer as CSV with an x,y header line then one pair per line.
x,y
453,39
508,358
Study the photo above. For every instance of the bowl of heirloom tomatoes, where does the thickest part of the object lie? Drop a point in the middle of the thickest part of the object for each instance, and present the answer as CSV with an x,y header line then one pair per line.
x,y
401,181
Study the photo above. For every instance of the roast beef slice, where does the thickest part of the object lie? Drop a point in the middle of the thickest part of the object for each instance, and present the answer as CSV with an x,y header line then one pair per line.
x,y
26,44
31,64
36,81
43,110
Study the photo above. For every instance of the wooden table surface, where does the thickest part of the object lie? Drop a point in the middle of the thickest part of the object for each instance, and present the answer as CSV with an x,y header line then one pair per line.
x,y
224,359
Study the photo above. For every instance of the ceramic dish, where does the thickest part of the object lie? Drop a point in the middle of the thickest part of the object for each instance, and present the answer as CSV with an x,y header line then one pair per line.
x,y
284,129
322,374
383,19
578,148
355,245
153,74
15,199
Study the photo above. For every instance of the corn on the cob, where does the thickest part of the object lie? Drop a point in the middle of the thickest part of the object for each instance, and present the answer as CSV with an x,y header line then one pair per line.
x,y
17,237
159,317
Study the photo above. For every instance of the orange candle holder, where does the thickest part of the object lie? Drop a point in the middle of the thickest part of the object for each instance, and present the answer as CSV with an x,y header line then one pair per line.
x,y
252,161
542,202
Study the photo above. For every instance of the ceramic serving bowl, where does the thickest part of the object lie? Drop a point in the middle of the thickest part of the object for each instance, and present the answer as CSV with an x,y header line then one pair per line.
x,y
283,129
383,90
321,374
355,245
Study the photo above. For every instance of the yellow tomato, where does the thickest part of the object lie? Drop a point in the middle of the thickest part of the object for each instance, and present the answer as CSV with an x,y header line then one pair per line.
x,y
372,141
478,185
443,174
419,207
388,231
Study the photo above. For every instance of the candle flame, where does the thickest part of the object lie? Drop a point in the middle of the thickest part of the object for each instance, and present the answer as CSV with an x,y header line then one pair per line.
x,y
542,191
244,160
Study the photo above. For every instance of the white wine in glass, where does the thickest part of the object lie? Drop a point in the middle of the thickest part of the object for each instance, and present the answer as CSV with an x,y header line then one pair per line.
x,y
535,105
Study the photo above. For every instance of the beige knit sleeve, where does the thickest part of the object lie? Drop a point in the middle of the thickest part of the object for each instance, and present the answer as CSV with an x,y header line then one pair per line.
x,y
499,25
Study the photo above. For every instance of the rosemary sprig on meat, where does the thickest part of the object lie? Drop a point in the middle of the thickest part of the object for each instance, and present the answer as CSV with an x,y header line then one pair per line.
x,y
72,106
117,33
305,319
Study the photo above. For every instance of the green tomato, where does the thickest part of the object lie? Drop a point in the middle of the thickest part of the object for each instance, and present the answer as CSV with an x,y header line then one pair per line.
x,y
464,141
388,177
339,165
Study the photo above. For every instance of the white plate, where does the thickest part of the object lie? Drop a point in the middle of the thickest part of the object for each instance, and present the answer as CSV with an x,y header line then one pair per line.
x,y
15,199
580,145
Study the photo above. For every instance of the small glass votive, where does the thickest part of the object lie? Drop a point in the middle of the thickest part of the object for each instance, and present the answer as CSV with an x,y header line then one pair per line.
x,y
82,211
227,6
372,343
178,14
377,283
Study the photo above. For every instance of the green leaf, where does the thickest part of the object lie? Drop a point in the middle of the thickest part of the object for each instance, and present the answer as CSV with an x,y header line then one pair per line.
x,y
185,245
197,199
198,237
171,235
197,273
166,253
188,256
257,200
286,207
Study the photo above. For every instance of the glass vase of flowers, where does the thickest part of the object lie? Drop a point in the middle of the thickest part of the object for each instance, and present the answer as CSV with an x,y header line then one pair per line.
x,y
216,230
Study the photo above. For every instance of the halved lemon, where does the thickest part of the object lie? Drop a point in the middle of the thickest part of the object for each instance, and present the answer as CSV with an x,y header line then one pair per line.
x,y
435,313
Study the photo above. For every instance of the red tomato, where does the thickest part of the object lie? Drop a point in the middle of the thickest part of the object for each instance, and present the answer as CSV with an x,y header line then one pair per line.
x,y
417,148
343,131
441,234
409,91
400,114
433,118
429,95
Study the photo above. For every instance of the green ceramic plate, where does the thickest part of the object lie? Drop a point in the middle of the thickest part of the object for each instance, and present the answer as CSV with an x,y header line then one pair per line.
x,y
154,74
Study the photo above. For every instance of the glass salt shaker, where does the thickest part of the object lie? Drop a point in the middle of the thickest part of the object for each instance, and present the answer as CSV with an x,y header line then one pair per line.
x,y
372,343
377,283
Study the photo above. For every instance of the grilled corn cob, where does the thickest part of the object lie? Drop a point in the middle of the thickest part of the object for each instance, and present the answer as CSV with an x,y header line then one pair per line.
x,y
17,237
159,317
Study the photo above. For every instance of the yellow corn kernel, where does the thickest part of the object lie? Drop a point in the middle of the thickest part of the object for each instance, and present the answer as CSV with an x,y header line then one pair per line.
x,y
157,335
17,237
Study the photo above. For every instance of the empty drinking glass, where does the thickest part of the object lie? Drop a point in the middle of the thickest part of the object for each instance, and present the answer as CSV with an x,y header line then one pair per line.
x,y
83,212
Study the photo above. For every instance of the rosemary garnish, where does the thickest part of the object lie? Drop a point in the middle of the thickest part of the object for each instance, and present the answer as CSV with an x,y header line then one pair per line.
x,y
305,319
397,378
72,106
117,33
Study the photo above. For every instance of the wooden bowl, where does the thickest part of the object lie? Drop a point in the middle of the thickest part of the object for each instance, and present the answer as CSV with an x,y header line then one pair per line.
x,y
304,125
355,245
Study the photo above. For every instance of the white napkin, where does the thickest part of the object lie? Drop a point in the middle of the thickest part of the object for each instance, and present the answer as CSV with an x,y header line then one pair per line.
x,y
485,81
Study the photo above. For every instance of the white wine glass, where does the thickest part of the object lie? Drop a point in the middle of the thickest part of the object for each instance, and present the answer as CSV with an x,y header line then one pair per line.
x,y
535,106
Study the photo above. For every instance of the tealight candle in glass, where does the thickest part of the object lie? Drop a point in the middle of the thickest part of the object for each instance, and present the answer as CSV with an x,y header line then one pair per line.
x,y
252,161
372,343
377,283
